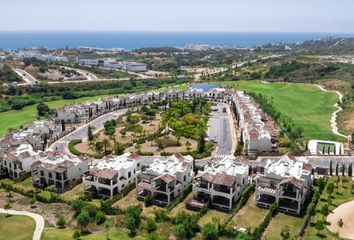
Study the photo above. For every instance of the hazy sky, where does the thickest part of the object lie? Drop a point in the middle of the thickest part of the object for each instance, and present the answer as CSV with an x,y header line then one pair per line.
x,y
179,15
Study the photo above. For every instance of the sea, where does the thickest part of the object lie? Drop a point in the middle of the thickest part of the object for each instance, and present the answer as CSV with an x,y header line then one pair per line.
x,y
12,40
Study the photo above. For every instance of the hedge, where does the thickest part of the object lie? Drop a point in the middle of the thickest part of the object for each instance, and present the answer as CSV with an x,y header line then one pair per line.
x,y
72,148
257,233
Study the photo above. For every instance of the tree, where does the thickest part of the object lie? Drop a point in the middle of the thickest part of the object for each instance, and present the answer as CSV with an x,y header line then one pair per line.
x,y
350,170
61,222
132,218
62,125
201,142
89,133
330,189
319,226
83,219
76,235
42,109
210,231
180,232
77,205
337,169
118,148
311,210
343,168
324,211
340,224
285,233
106,143
243,236
107,225
330,168
7,207
100,217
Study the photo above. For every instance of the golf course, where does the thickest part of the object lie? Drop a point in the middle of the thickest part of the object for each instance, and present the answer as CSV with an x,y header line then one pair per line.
x,y
308,106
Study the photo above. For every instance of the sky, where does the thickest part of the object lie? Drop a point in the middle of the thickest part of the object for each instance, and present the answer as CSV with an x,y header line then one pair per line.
x,y
179,15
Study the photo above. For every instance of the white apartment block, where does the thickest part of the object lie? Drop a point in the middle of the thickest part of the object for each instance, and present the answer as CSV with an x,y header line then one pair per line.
x,y
286,182
72,114
57,169
109,176
134,66
39,56
220,184
17,161
165,179
256,133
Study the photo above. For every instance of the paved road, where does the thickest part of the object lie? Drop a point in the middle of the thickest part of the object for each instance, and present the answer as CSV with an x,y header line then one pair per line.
x,y
81,132
220,130
37,218
26,76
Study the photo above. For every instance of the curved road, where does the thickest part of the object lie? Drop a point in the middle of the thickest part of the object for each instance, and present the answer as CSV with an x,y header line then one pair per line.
x,y
37,218
81,132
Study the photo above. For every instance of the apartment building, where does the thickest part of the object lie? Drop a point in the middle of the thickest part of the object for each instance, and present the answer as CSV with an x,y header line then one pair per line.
x,y
17,161
57,169
72,114
109,176
257,134
134,66
219,184
286,182
165,179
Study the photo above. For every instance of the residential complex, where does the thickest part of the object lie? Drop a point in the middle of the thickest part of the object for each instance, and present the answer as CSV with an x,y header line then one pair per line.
x,y
21,55
286,182
165,179
219,184
110,175
258,134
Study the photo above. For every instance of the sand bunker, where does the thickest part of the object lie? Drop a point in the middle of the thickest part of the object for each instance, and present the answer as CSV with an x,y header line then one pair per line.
x,y
346,213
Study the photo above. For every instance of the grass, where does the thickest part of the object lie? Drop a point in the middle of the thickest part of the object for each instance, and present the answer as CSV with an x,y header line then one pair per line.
x,y
308,106
278,222
181,206
249,216
344,195
213,214
16,227
76,192
66,234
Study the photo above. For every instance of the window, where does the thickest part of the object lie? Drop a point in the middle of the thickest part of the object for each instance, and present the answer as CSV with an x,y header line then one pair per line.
x,y
50,175
129,174
184,178
138,164
42,173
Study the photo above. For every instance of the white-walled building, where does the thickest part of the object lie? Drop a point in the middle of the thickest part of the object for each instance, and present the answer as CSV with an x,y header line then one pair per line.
x,y
165,179
221,183
58,169
109,176
286,182
134,66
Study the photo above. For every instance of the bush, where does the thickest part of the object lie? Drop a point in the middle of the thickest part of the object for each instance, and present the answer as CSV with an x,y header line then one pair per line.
x,y
148,200
61,223
76,235
150,225
100,218
72,148
210,231
161,215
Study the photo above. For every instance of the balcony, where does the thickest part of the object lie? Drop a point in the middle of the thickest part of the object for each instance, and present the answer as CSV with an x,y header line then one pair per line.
x,y
290,194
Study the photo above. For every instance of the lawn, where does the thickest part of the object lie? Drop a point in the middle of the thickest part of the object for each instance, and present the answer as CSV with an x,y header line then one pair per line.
x,y
213,214
181,206
344,195
66,234
249,216
307,105
16,227
76,192
278,222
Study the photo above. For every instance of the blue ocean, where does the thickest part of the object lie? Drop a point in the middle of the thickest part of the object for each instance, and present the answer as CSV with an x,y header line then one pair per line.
x,y
134,40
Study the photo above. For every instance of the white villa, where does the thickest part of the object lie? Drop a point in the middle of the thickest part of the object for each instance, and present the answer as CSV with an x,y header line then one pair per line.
x,y
109,176
286,182
221,183
165,179
58,169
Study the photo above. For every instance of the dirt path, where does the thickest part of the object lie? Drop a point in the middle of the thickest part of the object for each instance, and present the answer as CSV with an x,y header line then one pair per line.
x,y
37,218
346,213
334,114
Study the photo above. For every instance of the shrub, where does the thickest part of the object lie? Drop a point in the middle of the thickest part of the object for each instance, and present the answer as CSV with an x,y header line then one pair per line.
x,y
148,200
161,215
210,231
150,225
72,148
76,235
61,223
100,218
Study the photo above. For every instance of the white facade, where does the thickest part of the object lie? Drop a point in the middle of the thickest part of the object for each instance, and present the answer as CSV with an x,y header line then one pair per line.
x,y
221,184
165,179
109,176
37,55
134,66
286,182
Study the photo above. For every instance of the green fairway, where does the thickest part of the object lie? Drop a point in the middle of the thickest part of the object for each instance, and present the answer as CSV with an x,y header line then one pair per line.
x,y
66,234
16,227
308,106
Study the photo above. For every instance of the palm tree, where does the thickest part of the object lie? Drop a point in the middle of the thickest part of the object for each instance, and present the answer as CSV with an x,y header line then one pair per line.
x,y
340,224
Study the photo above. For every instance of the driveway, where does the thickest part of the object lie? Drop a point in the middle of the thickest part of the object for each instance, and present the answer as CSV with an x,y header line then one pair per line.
x,y
37,218
220,130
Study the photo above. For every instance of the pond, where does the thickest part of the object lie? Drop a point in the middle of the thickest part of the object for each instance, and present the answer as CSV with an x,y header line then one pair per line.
x,y
205,86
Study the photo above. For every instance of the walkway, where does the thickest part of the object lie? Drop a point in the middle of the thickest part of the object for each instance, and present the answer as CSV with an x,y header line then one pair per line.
x,y
37,218
334,114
